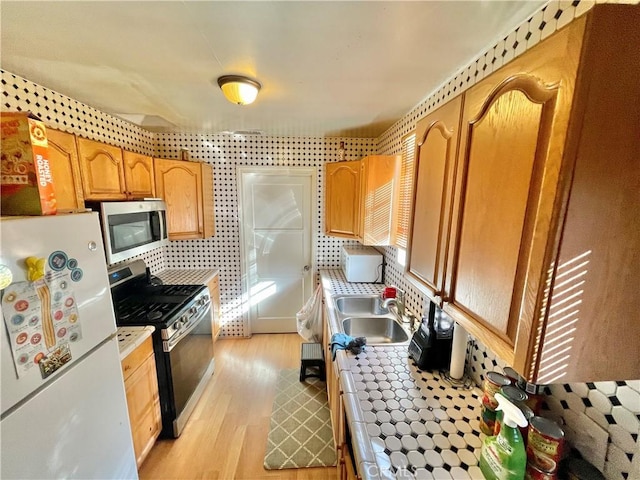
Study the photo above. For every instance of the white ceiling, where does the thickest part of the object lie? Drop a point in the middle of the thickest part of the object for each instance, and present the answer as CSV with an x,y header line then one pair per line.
x,y
327,68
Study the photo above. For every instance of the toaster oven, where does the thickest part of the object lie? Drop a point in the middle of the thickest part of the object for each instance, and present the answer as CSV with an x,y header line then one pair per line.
x,y
362,264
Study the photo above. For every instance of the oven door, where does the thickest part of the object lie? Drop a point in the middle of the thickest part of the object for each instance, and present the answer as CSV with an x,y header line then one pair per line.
x,y
190,363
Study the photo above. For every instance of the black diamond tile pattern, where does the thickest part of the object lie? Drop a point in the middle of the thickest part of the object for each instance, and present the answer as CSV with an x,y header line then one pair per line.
x,y
59,111
612,406
423,421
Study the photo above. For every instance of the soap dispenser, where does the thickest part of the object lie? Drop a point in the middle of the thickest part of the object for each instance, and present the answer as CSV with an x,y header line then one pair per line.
x,y
503,456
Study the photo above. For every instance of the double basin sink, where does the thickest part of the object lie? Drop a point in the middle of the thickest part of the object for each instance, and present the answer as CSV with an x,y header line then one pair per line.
x,y
364,316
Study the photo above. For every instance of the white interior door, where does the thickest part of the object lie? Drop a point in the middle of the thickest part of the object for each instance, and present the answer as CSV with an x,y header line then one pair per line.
x,y
276,205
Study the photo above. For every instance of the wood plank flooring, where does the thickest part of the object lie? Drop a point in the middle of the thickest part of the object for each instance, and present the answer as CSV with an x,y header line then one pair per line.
x,y
226,436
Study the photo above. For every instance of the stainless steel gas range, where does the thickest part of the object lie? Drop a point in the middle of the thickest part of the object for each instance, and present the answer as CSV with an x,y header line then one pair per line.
x,y
183,348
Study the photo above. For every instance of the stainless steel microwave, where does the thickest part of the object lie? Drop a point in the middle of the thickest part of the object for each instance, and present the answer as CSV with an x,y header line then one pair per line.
x,y
132,228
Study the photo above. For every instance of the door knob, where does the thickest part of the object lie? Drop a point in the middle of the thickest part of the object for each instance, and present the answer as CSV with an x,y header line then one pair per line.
x,y
306,268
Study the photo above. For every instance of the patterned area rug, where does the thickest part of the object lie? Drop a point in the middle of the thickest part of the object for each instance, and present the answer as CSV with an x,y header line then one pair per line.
x,y
300,434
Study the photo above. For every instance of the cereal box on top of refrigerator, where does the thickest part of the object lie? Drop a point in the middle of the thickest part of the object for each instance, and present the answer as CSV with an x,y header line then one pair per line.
x,y
25,184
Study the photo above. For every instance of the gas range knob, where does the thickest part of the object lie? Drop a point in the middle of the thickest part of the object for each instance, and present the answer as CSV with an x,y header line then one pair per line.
x,y
203,300
193,310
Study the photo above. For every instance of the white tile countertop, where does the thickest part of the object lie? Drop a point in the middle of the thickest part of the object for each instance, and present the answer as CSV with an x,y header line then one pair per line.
x,y
129,338
183,276
405,423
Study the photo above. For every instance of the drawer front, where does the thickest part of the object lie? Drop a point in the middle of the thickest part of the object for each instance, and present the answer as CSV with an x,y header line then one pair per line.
x,y
136,358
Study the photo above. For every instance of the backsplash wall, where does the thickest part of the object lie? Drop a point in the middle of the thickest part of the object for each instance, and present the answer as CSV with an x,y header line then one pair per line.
x,y
604,414
63,113
602,419
226,153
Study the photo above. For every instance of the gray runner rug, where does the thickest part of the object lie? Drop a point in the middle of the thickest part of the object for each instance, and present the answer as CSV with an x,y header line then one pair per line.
x,y
300,434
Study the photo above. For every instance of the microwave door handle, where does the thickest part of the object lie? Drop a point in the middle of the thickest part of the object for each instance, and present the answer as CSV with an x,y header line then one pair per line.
x,y
162,215
157,224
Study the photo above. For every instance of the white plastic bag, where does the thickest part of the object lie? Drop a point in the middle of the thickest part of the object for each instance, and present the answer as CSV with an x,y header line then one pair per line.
x,y
310,318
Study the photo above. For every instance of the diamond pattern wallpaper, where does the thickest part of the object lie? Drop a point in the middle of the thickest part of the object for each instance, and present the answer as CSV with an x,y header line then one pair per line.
x,y
603,419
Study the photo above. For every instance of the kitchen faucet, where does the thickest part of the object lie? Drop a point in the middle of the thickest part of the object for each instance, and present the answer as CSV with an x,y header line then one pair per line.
x,y
399,311
397,302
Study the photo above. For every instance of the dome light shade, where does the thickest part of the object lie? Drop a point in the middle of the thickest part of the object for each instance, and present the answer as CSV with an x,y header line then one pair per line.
x,y
239,90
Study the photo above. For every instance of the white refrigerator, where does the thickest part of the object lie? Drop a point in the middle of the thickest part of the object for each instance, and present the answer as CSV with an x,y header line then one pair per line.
x,y
64,411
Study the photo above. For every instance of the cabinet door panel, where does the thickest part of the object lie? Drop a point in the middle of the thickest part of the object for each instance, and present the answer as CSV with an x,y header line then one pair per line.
x,y
179,184
208,220
505,171
144,407
214,293
437,140
501,152
102,170
138,172
342,207
65,169
379,178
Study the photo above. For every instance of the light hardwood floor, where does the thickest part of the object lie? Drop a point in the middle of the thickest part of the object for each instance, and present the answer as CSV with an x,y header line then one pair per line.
x,y
226,436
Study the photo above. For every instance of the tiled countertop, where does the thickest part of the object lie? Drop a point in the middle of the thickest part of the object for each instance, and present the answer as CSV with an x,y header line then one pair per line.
x,y
182,276
129,338
404,423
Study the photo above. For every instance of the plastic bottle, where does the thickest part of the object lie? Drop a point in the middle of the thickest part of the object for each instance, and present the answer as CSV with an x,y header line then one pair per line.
x,y
503,456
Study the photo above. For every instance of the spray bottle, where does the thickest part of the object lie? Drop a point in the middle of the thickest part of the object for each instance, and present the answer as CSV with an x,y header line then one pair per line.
x,y
503,456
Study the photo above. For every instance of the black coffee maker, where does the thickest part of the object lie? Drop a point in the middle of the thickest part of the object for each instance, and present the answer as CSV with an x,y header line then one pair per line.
x,y
430,346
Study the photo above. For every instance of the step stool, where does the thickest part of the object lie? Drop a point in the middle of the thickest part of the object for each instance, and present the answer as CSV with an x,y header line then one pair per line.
x,y
311,357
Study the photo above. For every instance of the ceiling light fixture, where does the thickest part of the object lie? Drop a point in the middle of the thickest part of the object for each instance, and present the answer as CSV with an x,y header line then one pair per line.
x,y
238,89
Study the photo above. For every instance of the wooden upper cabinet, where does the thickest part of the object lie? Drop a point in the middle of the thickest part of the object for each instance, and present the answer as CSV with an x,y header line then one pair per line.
x,y
593,328
508,175
139,175
540,261
342,199
110,173
513,128
208,213
187,189
379,196
102,170
436,148
361,198
179,184
65,169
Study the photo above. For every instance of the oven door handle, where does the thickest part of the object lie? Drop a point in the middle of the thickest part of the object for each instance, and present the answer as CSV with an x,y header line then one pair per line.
x,y
169,345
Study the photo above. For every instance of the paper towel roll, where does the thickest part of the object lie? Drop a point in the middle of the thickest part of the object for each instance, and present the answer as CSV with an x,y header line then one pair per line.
x,y
458,352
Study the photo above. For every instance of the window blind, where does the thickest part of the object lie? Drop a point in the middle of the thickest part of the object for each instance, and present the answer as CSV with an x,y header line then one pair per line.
x,y
406,190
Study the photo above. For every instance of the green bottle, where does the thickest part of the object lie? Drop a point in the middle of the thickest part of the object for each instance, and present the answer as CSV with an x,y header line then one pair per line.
x,y
503,456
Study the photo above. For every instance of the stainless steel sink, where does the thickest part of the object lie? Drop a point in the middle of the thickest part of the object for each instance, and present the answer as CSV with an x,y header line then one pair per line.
x,y
358,305
364,316
377,330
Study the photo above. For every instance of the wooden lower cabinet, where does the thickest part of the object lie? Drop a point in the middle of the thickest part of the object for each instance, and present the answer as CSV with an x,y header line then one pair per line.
x,y
143,401
333,381
214,294
345,468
